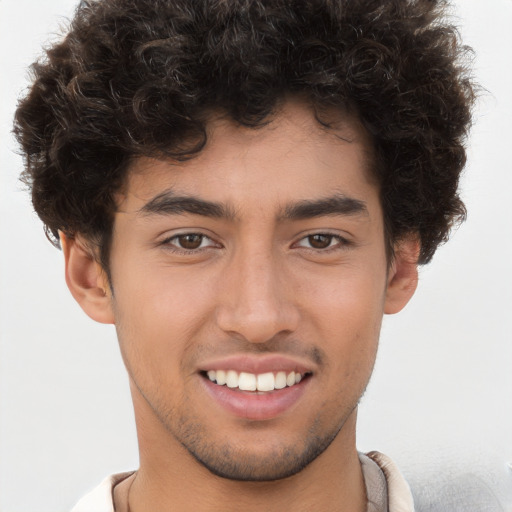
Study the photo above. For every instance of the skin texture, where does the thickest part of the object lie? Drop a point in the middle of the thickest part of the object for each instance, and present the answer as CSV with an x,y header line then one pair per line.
x,y
258,285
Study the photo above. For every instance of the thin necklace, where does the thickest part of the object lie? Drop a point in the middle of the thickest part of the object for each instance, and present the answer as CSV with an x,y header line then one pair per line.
x,y
128,509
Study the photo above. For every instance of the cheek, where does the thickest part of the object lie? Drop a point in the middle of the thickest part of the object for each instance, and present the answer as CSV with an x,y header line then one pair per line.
x,y
347,312
156,317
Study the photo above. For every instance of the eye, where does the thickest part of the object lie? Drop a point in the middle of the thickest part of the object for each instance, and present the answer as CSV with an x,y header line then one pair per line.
x,y
189,241
322,241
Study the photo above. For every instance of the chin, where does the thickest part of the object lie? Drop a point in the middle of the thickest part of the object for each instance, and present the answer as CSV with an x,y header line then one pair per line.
x,y
232,463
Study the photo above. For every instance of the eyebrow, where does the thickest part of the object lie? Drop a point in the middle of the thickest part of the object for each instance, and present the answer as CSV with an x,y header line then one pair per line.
x,y
337,204
167,203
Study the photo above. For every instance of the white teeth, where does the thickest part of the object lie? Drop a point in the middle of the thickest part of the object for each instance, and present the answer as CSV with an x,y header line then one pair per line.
x,y
280,380
250,382
266,382
220,377
231,379
247,381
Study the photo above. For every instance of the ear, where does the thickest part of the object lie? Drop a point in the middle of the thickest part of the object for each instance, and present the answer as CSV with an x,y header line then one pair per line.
x,y
403,275
86,279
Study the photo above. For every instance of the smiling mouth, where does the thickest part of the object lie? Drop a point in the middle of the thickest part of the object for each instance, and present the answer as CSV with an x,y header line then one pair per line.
x,y
263,382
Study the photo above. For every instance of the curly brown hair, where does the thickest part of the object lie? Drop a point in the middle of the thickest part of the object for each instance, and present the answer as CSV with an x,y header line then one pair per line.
x,y
138,77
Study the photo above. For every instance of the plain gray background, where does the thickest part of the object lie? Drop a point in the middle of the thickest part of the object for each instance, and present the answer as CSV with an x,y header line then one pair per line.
x,y
440,400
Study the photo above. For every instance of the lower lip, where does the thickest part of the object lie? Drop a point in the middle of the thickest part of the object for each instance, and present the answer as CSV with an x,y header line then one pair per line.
x,y
254,405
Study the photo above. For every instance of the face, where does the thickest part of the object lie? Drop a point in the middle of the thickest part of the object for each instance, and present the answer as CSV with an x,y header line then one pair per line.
x,y
249,285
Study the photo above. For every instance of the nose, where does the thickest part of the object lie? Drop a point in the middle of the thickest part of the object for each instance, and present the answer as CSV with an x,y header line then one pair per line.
x,y
256,298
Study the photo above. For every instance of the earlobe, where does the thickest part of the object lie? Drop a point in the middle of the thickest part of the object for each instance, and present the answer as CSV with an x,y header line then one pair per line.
x,y
86,279
403,275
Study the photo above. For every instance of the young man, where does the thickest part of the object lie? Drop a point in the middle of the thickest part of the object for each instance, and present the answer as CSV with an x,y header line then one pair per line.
x,y
244,189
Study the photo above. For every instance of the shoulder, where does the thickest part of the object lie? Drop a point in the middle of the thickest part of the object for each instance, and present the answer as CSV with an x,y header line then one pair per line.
x,y
447,489
398,492
453,492
100,499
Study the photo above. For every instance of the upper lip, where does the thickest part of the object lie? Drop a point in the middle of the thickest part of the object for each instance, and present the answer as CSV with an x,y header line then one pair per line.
x,y
258,364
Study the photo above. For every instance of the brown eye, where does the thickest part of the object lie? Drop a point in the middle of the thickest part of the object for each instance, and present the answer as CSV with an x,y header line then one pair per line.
x,y
190,241
320,241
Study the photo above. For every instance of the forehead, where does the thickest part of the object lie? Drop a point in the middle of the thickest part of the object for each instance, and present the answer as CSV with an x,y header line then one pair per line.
x,y
293,156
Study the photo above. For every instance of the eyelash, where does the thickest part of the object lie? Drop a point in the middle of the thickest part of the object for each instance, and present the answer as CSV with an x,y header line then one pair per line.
x,y
181,250
169,245
341,242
